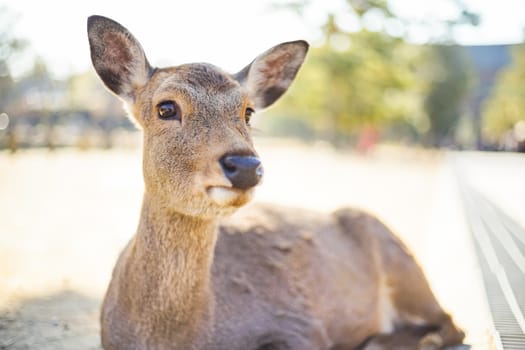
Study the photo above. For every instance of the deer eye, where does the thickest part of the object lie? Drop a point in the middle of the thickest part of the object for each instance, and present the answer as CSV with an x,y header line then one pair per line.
x,y
248,115
168,110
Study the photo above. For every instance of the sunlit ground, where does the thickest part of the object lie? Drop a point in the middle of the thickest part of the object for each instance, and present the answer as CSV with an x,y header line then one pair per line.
x,y
65,215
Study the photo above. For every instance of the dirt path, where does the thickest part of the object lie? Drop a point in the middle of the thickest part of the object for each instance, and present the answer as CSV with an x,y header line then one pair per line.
x,y
65,216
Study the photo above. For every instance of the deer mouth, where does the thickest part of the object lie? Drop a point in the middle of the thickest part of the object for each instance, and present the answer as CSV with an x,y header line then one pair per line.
x,y
229,196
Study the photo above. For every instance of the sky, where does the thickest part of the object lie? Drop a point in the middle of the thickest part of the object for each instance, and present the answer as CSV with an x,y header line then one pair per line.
x,y
228,33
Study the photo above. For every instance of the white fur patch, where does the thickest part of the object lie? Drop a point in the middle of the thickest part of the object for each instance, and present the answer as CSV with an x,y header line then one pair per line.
x,y
387,312
223,195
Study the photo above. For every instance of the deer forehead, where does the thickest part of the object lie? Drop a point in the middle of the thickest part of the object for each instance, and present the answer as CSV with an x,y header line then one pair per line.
x,y
198,88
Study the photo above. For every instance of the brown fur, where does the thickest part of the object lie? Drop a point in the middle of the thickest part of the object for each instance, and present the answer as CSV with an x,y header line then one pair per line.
x,y
271,278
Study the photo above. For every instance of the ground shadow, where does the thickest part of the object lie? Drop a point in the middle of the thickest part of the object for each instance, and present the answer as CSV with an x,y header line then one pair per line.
x,y
65,320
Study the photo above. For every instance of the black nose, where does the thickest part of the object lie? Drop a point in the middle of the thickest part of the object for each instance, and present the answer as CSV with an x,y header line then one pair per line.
x,y
242,171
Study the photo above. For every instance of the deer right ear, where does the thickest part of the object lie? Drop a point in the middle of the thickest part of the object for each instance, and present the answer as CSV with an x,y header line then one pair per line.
x,y
117,57
271,73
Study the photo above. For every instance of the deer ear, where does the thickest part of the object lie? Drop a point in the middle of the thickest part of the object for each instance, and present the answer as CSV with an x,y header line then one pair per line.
x,y
117,57
272,72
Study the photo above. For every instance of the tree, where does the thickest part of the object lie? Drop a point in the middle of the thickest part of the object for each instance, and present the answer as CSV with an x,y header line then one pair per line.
x,y
373,79
354,79
448,74
9,47
505,109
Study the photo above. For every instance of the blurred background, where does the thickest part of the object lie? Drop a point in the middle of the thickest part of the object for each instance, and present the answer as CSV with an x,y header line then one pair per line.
x,y
412,110
441,75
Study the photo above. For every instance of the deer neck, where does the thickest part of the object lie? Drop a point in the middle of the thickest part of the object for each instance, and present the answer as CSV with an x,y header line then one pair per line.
x,y
176,253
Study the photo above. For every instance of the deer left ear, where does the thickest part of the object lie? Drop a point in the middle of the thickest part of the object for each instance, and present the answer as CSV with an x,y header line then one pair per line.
x,y
271,73
117,57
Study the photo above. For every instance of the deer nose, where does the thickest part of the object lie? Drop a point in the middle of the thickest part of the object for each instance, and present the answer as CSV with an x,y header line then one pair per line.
x,y
242,171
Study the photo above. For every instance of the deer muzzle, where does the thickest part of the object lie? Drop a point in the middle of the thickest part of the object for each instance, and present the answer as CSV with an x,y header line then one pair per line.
x,y
243,172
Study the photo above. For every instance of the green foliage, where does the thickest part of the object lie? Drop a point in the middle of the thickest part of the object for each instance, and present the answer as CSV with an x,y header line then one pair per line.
x,y
372,80
506,106
9,46
449,75
353,80
361,7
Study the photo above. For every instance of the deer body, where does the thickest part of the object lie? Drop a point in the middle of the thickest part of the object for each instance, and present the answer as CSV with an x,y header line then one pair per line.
x,y
268,279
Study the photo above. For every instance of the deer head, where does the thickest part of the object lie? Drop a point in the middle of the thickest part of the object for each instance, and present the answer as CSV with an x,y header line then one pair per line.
x,y
198,156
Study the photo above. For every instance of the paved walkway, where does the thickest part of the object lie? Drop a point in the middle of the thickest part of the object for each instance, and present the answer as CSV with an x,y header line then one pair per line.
x,y
449,258
492,188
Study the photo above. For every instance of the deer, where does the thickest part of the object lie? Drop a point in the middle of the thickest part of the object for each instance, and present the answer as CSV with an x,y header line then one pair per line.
x,y
195,276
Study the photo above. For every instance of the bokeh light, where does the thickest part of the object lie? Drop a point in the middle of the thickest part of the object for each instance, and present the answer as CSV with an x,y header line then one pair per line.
x,y
4,121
